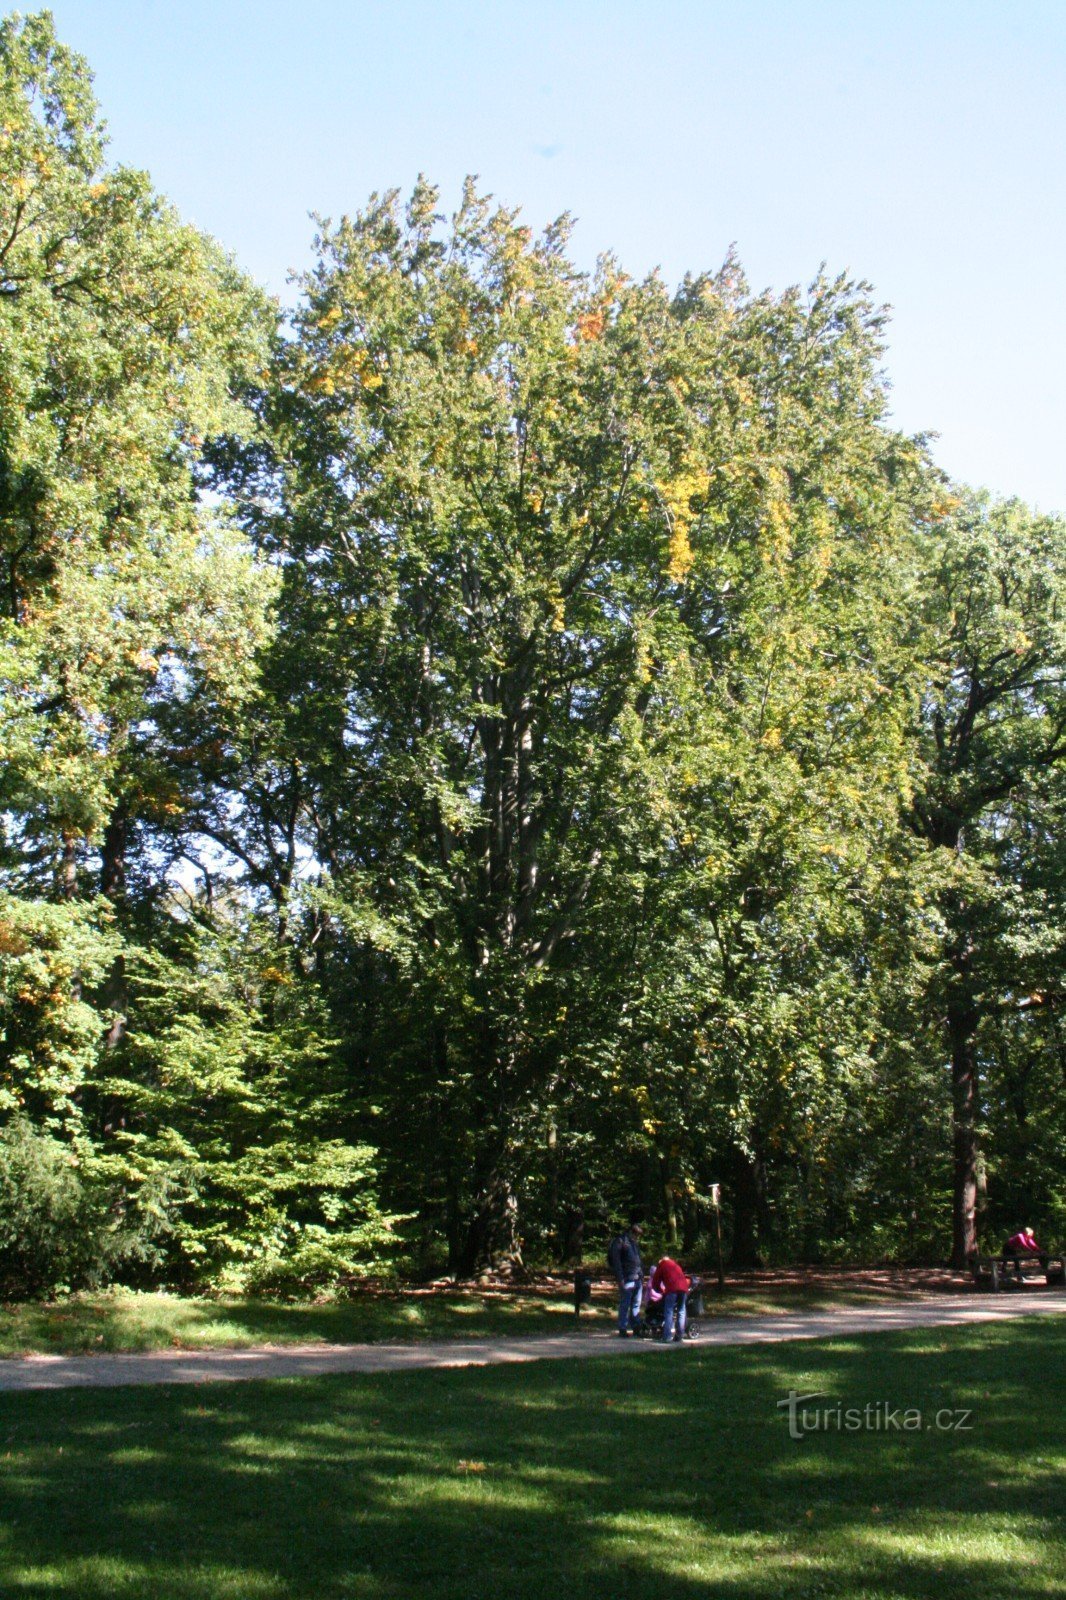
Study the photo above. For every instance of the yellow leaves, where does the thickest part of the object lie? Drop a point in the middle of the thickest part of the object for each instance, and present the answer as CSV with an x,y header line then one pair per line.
x,y
676,495
558,613
779,519
329,319
772,739
470,1466
12,942
680,555
589,326
820,562
643,663
20,187
347,366
275,975
944,505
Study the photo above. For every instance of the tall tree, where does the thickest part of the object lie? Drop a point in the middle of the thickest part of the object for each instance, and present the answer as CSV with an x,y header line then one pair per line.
x,y
124,336
993,729
529,522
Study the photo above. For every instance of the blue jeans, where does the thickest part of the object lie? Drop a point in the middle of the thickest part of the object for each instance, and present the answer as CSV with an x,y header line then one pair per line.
x,y
674,1303
629,1304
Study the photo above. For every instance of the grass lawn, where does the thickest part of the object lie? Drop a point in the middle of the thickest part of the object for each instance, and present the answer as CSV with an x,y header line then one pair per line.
x,y
665,1472
122,1320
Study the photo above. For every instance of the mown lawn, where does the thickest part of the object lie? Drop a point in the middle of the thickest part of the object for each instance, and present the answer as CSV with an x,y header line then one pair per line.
x,y
123,1320
657,1472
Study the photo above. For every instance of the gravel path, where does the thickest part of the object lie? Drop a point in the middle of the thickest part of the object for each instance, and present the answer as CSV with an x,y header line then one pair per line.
x,y
305,1361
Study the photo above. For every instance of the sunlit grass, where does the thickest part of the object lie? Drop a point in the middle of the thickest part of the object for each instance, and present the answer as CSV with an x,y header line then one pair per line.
x,y
642,1475
124,1320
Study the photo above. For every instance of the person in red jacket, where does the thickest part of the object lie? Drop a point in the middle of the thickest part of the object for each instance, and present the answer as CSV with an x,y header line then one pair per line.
x,y
669,1281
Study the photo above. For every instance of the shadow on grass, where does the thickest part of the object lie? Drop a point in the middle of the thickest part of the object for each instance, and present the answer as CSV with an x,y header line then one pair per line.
x,y
667,1472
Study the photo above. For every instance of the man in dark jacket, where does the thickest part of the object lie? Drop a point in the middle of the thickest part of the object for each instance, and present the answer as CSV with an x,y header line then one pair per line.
x,y
625,1263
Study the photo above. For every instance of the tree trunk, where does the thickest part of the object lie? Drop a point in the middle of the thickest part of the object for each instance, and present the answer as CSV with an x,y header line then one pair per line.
x,y
492,1233
573,1235
962,1024
749,1209
670,1199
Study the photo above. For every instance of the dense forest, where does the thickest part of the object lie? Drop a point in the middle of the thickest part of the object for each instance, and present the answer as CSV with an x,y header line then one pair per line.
x,y
493,747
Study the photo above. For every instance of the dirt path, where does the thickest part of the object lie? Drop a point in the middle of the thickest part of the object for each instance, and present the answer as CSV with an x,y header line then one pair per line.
x,y
305,1361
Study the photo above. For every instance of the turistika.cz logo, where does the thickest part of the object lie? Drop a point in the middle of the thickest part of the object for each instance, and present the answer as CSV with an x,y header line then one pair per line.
x,y
877,1416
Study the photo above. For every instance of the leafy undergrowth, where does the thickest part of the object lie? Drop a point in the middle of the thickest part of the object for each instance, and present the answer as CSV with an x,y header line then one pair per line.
x,y
658,1472
123,1320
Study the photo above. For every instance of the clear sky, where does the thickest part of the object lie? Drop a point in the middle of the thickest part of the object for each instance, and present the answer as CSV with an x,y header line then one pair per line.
x,y
920,144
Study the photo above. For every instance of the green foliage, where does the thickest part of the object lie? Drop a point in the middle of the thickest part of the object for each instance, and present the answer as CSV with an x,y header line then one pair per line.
x,y
50,955
62,1224
230,1088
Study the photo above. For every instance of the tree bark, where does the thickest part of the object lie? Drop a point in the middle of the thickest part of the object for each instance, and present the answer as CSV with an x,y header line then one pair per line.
x,y
962,1025
750,1214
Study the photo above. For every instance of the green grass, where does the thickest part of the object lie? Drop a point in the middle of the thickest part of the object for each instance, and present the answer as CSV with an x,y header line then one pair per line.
x,y
649,1473
123,1320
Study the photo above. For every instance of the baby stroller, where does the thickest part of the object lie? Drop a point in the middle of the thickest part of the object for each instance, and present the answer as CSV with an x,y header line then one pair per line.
x,y
650,1325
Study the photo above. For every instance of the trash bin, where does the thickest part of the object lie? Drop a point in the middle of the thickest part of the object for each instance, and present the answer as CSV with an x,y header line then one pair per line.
x,y
582,1291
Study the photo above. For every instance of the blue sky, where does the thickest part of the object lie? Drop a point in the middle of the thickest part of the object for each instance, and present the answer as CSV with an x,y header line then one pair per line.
x,y
919,145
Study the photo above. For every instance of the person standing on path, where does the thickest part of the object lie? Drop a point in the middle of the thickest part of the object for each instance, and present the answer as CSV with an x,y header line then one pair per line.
x,y
623,1258
673,1284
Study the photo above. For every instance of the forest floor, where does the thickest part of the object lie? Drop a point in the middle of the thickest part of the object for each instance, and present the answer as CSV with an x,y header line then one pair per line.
x,y
120,1320
634,1476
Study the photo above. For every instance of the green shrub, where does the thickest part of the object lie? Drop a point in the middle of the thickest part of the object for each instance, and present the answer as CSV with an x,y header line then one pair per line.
x,y
63,1225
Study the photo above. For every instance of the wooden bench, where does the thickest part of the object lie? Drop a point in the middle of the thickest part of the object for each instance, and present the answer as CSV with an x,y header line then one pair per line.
x,y
1008,1272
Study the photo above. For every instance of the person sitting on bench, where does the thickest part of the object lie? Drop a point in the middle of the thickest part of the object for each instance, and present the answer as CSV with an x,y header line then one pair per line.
x,y
1019,1247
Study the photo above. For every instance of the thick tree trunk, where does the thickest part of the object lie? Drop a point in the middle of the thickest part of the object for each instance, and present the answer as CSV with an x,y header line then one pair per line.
x,y
572,1244
750,1214
962,1024
492,1234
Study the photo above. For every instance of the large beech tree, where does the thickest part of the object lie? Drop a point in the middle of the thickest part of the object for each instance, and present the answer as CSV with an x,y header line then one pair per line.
x,y
567,560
